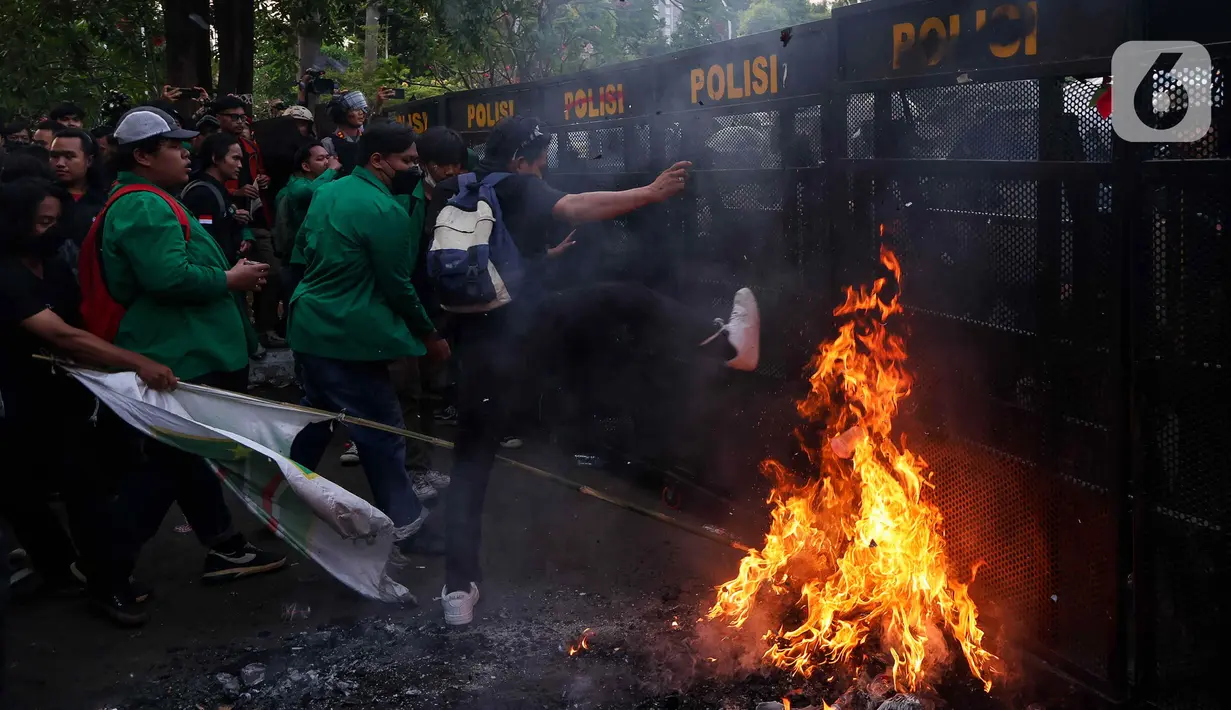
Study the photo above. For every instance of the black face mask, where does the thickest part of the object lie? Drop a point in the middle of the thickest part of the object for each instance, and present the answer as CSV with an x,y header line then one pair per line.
x,y
405,181
43,246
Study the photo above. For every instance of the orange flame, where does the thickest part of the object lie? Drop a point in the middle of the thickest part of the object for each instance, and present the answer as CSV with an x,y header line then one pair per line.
x,y
860,544
583,643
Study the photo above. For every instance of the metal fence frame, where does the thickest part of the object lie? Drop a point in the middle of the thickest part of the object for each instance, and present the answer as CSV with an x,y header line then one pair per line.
x,y
1116,325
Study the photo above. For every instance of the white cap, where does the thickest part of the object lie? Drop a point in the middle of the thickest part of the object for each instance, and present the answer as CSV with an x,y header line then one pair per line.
x,y
299,113
147,122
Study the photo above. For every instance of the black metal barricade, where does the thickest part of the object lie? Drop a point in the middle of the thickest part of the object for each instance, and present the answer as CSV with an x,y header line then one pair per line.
x,y
1066,291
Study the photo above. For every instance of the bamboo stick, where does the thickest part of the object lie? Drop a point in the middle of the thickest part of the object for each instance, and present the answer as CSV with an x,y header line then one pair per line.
x,y
700,531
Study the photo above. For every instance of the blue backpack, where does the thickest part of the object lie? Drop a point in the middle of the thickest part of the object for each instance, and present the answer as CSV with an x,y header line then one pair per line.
x,y
472,261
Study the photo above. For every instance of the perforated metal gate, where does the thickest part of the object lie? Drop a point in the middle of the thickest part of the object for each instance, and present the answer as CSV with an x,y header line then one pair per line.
x,y
1066,291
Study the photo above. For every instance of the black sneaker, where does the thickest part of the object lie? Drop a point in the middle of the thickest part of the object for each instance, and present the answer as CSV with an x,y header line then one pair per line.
x,y
427,543
120,607
225,566
140,592
446,416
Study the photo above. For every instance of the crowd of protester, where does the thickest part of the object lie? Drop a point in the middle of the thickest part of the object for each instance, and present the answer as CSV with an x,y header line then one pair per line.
x,y
178,219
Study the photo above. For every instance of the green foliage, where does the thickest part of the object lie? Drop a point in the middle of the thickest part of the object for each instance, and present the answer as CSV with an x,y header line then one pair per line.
x,y
488,42
701,22
765,15
79,50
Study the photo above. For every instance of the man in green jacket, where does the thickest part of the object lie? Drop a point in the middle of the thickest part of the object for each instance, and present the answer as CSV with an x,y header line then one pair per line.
x,y
180,311
356,311
316,169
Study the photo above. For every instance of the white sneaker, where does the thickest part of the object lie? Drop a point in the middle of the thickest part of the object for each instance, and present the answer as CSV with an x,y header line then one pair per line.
x,y
511,442
422,488
459,606
744,331
350,455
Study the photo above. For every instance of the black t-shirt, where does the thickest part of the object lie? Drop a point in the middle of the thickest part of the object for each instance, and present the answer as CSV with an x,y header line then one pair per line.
x,y
77,215
26,384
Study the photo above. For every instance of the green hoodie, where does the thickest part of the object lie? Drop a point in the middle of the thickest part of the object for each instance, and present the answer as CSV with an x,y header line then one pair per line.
x,y
179,311
356,301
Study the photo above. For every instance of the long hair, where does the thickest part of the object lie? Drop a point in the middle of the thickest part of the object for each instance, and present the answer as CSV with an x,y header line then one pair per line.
x,y
19,203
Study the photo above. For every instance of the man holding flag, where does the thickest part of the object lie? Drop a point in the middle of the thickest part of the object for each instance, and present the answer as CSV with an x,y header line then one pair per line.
x,y
176,291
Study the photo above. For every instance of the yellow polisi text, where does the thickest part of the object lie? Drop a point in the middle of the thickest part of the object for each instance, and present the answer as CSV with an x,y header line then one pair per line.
x,y
934,35
735,80
487,115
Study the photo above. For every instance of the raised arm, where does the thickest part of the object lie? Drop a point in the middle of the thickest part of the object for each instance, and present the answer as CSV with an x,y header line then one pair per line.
x,y
599,206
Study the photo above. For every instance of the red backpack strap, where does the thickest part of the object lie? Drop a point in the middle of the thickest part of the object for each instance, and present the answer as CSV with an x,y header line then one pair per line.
x,y
181,215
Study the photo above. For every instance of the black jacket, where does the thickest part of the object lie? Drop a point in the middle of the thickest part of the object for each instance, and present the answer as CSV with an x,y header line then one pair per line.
x,y
208,200
76,217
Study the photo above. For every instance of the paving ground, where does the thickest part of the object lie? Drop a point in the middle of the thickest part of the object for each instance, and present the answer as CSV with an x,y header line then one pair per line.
x,y
556,562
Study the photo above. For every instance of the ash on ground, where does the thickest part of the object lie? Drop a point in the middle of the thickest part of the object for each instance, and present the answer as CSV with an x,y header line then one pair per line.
x,y
642,655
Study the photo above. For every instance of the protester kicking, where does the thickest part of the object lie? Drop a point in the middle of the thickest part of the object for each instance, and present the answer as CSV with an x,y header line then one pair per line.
x,y
177,289
356,311
501,348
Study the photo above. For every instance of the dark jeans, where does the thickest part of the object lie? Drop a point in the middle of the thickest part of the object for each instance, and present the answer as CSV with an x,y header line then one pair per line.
x,y
502,357
4,603
364,390
265,302
57,450
411,379
168,475
292,275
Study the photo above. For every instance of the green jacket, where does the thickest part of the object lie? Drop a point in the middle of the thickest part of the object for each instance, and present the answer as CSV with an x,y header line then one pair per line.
x,y
295,199
178,309
415,205
356,301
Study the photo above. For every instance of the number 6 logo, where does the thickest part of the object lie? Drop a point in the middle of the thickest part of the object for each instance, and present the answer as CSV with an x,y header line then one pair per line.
x,y
1163,92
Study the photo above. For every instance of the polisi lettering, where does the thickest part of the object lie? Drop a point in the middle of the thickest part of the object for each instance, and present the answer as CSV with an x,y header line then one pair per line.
x,y
934,36
591,103
416,120
487,115
735,80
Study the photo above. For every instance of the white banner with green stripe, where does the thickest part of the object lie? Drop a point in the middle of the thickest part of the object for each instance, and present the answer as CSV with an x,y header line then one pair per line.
x,y
249,440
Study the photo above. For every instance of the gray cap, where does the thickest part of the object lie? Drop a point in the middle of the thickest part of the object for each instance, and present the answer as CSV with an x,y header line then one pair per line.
x,y
147,122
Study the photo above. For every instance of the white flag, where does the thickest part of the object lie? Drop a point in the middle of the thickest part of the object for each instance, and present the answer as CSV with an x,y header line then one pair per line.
x,y
248,440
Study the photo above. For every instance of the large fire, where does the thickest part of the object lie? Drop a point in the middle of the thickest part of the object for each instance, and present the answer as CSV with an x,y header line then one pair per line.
x,y
858,545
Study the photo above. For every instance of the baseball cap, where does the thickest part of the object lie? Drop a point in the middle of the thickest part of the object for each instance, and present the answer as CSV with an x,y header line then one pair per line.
x,y
147,122
512,135
299,113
